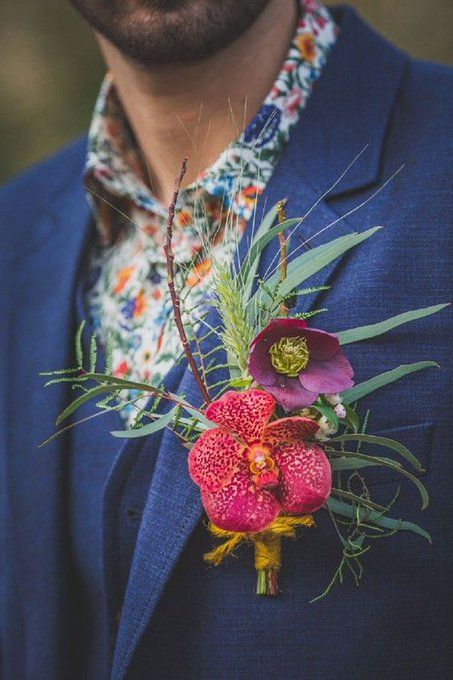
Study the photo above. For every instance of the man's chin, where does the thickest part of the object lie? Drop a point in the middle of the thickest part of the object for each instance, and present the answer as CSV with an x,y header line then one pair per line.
x,y
158,32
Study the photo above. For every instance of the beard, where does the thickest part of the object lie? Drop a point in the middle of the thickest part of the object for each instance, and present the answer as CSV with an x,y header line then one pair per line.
x,y
158,32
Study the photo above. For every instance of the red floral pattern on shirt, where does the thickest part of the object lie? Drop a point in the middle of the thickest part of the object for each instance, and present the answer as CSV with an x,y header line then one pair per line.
x,y
129,299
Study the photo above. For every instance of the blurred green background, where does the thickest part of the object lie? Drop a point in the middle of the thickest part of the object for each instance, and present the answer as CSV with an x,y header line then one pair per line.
x,y
50,68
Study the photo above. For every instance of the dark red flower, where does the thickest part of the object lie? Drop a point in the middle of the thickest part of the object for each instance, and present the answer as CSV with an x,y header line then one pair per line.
x,y
296,363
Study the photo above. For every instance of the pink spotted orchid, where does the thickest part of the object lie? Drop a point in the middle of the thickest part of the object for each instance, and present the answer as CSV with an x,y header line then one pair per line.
x,y
251,469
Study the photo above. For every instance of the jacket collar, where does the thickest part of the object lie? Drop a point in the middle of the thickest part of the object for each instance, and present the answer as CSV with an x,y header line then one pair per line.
x,y
351,106
349,109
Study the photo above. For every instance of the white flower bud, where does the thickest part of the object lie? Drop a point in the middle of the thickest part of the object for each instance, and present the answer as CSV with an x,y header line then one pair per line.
x,y
320,435
326,426
340,411
333,399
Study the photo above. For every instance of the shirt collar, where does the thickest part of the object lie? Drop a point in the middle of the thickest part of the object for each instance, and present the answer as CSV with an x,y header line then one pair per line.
x,y
114,161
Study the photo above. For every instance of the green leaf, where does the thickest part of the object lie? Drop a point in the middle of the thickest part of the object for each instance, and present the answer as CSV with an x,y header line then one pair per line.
x,y
124,384
197,414
391,465
363,389
349,511
250,264
197,425
381,441
327,412
352,418
373,330
146,430
358,499
252,267
308,264
340,464
86,396
266,223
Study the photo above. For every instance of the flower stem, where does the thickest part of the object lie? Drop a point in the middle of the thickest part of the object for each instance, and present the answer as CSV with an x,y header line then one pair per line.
x,y
267,582
176,302
283,253
261,583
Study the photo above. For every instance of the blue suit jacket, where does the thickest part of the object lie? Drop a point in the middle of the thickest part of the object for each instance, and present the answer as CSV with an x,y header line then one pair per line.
x,y
101,545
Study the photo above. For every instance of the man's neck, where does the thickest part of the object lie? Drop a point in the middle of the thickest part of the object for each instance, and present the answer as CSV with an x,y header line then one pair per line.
x,y
196,110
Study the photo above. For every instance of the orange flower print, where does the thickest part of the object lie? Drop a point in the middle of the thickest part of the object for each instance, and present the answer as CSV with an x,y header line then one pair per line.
x,y
185,218
307,46
248,196
122,278
149,229
199,272
140,304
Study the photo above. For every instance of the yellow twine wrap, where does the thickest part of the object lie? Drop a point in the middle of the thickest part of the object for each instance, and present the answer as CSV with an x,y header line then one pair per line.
x,y
267,543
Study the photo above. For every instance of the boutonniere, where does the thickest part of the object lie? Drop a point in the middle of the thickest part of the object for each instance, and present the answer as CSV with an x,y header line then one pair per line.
x,y
279,435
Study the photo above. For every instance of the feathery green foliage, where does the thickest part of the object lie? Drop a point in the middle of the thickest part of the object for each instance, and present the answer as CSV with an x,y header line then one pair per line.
x,y
237,332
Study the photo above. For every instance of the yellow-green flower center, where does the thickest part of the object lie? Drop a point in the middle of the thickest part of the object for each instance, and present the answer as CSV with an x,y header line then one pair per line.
x,y
289,356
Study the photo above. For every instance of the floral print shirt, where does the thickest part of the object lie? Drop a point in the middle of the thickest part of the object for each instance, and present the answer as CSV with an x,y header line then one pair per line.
x,y
127,299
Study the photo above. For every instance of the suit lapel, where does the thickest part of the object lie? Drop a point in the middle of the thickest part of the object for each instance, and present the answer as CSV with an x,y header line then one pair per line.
x,y
40,331
344,114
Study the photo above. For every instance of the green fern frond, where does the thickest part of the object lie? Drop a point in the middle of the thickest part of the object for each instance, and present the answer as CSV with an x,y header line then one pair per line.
x,y
313,289
308,315
64,379
237,333
108,354
60,371
93,353
79,344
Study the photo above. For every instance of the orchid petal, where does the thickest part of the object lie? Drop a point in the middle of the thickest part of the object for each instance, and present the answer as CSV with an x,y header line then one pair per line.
x,y
306,477
240,505
214,458
287,430
246,414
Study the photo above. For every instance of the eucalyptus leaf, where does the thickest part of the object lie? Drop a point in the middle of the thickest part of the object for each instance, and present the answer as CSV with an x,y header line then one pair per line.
x,y
308,264
358,499
391,465
349,511
381,441
363,389
197,414
266,224
341,464
373,330
158,424
250,264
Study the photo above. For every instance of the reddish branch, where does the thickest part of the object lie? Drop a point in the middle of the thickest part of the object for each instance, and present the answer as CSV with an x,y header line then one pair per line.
x,y
173,293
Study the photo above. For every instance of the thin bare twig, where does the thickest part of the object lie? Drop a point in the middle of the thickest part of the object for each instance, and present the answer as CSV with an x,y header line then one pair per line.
x,y
169,256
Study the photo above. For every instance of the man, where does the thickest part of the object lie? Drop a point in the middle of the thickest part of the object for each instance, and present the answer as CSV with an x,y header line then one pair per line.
x,y
102,574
